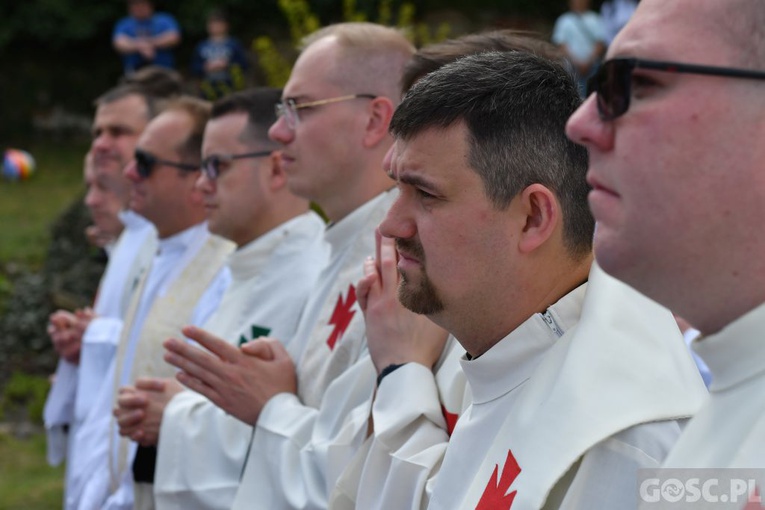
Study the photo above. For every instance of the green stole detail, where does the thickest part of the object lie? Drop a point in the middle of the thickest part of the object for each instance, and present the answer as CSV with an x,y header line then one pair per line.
x,y
257,332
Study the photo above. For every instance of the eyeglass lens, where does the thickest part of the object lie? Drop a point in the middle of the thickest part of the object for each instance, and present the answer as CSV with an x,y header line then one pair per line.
x,y
144,163
612,85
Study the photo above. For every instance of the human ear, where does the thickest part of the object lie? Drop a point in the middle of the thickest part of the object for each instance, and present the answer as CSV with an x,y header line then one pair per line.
x,y
542,211
380,113
277,178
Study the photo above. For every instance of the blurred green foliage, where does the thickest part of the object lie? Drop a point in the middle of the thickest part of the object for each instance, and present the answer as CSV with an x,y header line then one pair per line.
x,y
302,21
57,53
24,393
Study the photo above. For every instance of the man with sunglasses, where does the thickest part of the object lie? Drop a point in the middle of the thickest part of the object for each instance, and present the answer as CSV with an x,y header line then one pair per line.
x,y
674,128
333,129
280,253
183,284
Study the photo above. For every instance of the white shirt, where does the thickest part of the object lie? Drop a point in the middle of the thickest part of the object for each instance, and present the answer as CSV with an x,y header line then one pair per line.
x,y
202,449
579,32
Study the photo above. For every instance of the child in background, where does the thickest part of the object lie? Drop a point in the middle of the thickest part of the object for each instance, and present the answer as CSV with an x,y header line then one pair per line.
x,y
219,61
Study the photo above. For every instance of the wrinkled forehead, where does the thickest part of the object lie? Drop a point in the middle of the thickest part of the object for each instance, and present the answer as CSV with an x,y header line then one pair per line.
x,y
677,30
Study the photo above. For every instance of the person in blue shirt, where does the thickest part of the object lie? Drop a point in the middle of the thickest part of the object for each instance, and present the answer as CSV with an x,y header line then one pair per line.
x,y
219,61
145,38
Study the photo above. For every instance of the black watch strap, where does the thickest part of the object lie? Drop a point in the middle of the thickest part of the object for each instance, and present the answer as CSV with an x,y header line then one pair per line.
x,y
387,370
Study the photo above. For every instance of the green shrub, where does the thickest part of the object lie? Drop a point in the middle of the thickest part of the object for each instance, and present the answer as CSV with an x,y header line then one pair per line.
x,y
302,21
25,394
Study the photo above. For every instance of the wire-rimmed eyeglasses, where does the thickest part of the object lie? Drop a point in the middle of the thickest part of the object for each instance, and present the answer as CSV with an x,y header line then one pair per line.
x,y
288,108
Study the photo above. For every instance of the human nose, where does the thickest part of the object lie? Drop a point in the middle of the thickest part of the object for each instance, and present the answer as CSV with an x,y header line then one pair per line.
x,y
585,127
91,197
101,142
204,183
397,223
281,132
131,172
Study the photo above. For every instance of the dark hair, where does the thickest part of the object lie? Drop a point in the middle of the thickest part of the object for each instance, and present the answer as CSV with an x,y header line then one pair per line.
x,y
515,106
259,105
159,82
217,14
153,105
433,56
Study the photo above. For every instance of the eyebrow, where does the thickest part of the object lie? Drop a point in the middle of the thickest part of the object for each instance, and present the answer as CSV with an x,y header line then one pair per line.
x,y
418,181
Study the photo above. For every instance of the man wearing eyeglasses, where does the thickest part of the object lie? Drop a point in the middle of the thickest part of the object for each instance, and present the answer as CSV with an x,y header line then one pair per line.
x,y
280,253
333,129
183,284
675,134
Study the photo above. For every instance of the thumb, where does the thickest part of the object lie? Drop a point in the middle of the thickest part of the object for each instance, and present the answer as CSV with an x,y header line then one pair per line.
x,y
260,348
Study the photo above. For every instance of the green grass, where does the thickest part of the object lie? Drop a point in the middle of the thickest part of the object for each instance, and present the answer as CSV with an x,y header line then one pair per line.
x,y
27,208
26,480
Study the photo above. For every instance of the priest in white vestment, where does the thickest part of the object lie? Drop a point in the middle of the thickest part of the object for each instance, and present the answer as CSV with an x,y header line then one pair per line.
x,y
280,253
121,115
576,381
679,196
333,129
183,284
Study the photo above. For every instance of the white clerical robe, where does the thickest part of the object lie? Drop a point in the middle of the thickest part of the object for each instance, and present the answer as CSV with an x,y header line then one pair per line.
x,y
123,265
415,411
729,430
202,449
562,413
166,278
569,405
74,390
301,442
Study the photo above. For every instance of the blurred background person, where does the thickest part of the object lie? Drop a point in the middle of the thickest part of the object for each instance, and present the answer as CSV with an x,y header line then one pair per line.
x,y
580,34
615,14
219,62
145,37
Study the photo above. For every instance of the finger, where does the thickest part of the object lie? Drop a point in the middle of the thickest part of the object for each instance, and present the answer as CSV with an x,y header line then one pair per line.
x,y
278,349
200,387
388,263
125,389
197,362
218,346
150,384
130,401
378,240
259,348
365,284
128,420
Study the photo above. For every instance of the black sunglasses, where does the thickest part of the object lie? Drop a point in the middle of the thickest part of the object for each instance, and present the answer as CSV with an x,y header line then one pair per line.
x,y
613,80
211,166
145,162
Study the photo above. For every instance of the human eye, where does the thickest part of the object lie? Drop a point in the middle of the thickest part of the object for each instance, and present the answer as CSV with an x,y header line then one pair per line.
x,y
642,84
424,194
